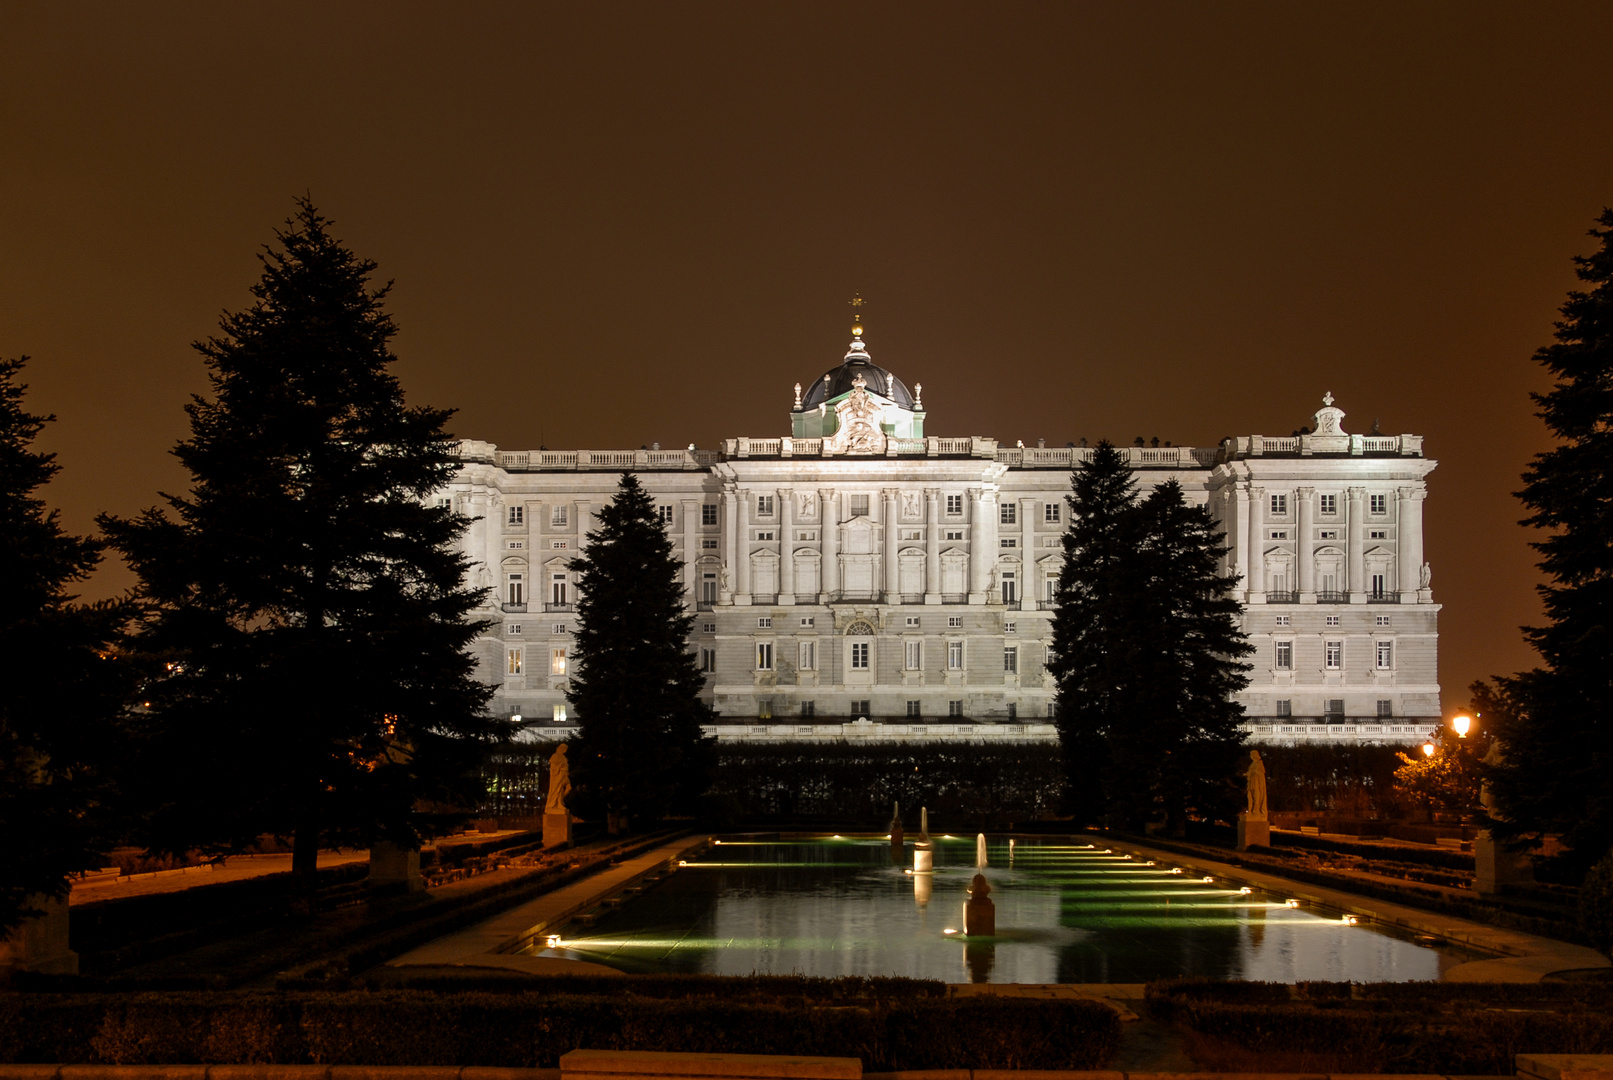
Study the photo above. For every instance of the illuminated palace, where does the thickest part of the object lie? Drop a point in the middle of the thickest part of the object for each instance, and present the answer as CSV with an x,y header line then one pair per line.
x,y
860,579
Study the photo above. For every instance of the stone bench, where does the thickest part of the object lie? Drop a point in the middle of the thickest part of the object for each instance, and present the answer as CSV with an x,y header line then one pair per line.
x,y
624,1064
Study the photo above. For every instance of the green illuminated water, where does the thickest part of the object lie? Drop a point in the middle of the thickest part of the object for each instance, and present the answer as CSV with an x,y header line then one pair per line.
x,y
1066,913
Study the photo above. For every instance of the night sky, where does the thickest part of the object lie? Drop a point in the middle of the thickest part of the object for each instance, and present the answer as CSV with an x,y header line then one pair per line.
x,y
613,224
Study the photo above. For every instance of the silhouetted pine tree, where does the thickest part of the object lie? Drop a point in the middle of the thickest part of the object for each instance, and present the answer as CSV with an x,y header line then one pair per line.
x,y
1091,660
307,590
61,735
1182,742
1554,720
635,686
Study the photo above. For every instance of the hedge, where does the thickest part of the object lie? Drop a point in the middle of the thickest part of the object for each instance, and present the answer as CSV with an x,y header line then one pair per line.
x,y
534,1029
1447,1028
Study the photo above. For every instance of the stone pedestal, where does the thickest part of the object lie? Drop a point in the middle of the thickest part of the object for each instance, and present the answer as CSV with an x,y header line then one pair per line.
x,y
40,943
1253,832
557,830
1495,866
394,867
979,912
898,845
923,859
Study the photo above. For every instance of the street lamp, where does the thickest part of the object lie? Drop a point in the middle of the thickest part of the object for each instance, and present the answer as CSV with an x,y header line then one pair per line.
x,y
1428,748
1460,725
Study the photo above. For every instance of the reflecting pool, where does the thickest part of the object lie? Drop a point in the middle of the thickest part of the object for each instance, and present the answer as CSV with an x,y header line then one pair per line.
x,y
1066,913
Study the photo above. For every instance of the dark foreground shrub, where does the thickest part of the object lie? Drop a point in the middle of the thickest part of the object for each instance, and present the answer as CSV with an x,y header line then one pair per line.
x,y
1596,906
534,1029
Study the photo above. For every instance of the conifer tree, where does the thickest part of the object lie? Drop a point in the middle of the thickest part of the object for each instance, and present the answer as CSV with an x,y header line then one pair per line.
x,y
1091,662
61,733
635,686
307,591
1554,720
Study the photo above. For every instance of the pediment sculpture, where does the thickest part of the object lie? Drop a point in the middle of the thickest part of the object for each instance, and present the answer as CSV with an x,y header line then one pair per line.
x,y
859,416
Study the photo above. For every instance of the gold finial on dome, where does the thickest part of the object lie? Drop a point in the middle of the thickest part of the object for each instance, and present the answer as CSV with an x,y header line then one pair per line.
x,y
857,321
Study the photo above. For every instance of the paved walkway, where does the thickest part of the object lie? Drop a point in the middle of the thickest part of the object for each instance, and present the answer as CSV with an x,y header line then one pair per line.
x,y
481,945
1523,958
236,868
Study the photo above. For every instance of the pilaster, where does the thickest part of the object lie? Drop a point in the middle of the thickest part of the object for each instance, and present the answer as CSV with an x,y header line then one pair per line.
x,y
932,546
786,548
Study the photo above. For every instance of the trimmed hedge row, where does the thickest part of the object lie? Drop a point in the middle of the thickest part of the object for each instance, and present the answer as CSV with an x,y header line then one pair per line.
x,y
1444,858
534,1030
1448,1028
753,988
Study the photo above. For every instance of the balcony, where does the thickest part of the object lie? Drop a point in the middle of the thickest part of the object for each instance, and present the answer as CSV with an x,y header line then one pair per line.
x,y
1332,597
559,607
1282,598
1383,598
515,609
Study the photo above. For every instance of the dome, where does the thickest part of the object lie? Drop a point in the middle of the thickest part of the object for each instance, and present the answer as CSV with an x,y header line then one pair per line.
x,y
838,381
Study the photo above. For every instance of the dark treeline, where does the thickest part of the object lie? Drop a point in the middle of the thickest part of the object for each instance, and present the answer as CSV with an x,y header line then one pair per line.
x,y
1348,780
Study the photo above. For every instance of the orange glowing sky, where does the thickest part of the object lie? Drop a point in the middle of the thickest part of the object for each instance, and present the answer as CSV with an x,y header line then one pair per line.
x,y
612,224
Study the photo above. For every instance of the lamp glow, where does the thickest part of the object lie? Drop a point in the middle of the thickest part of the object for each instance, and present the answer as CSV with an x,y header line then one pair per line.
x,y
1461,724
1428,749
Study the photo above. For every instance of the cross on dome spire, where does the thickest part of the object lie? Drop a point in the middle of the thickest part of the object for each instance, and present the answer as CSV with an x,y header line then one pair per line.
x,y
857,303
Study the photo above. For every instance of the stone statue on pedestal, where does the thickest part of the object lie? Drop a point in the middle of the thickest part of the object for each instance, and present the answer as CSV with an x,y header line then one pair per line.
x,y
556,818
1254,786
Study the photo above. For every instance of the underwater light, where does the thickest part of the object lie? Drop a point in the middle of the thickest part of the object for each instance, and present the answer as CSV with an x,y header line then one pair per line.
x,y
1176,869
552,941
949,930
1150,862
683,862
1292,903
1209,880
1349,920
1245,891
909,873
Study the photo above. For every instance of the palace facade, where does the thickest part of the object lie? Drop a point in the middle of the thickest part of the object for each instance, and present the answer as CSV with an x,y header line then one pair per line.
x,y
859,579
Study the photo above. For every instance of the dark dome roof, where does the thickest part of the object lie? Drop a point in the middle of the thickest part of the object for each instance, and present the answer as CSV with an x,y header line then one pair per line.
x,y
838,381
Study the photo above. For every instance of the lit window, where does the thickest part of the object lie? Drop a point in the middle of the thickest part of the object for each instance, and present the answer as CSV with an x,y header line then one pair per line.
x,y
914,655
764,506
1330,504
1334,652
515,661
560,713
764,623
1279,506
1050,513
708,513
809,656
954,708
1285,656
1380,504
764,656
666,513
1007,513
517,515
954,505
557,661
1386,655
954,656
859,506
558,517
1011,659
859,656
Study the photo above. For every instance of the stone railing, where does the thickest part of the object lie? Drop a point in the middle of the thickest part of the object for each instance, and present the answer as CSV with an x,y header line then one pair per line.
x,y
586,460
1305,445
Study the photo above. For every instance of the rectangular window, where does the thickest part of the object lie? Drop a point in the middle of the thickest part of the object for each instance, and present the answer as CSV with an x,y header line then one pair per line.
x,y
1386,655
559,713
1011,659
764,506
1282,620
516,545
1279,534
1285,708
1386,708
558,517
807,534
954,621
809,708
1380,504
557,589
954,708
1380,585
1285,656
1010,589
913,709
764,656
664,512
708,660
1279,506
516,658
1050,513
516,589
809,620
764,708
517,515
1383,620
513,628
859,656
1009,628
1010,542
954,656
1334,652
1328,534
859,506
1330,504
1378,534
954,534
557,628
558,545
708,545
954,505
557,661
808,656
764,623
1332,620
860,709
913,622
1007,513
1334,708
708,628
914,655
708,513
708,588
764,534
1013,711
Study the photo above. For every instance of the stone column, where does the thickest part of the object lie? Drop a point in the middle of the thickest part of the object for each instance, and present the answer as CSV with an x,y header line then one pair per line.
x,y
786,546
829,518
479,542
1256,577
932,546
1028,598
1305,544
584,523
893,584
1410,529
1358,545
742,531
977,540
730,511
983,546
691,550
1240,522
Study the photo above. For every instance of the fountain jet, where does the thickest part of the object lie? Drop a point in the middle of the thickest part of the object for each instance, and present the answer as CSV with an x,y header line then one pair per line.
x,y
923,850
980,851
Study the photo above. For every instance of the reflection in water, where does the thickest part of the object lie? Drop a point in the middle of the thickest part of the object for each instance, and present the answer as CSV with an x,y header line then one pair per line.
x,y
1065,913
